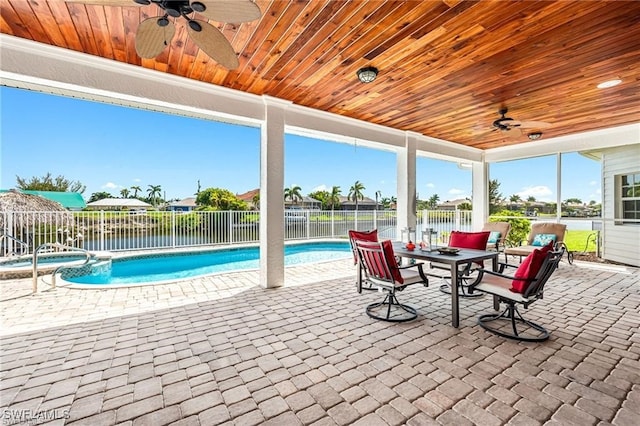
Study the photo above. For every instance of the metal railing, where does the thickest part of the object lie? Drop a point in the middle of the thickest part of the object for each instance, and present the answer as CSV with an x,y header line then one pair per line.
x,y
57,247
8,243
121,231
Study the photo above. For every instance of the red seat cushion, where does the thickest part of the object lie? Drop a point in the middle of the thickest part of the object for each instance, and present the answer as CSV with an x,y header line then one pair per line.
x,y
387,246
529,268
371,236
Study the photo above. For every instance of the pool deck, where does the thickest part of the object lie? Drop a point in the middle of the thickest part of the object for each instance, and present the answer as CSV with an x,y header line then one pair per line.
x,y
222,350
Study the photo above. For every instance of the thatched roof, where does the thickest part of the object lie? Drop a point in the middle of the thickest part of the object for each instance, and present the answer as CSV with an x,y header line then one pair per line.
x,y
18,201
27,209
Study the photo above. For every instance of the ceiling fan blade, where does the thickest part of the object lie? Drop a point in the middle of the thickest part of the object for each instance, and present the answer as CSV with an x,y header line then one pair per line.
x,y
512,132
214,44
106,2
533,125
234,11
151,38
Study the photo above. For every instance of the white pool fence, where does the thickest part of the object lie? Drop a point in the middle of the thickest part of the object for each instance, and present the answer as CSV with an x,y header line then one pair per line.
x,y
117,231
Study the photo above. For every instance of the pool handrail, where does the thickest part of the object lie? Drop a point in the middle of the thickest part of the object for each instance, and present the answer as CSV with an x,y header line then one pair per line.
x,y
56,246
15,240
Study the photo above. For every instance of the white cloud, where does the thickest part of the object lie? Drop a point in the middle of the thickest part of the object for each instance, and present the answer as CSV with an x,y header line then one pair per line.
x,y
110,185
456,191
540,192
430,185
593,183
137,180
322,187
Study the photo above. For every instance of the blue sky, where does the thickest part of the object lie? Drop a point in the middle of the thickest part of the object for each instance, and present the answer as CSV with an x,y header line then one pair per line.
x,y
109,148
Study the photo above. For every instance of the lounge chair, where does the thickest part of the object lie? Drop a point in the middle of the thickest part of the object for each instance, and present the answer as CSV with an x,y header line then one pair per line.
x,y
499,233
541,233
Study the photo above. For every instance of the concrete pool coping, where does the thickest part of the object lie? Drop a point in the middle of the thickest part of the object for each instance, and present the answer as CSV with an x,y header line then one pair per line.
x,y
60,282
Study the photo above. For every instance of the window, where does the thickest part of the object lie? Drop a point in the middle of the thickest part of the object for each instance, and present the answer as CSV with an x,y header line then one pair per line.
x,y
630,197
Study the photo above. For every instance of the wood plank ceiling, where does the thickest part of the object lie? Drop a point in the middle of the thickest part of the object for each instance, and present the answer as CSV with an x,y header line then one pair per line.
x,y
446,67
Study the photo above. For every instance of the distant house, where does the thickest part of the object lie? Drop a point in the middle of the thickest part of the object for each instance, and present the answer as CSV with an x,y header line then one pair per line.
x,y
68,200
248,197
307,203
365,204
118,204
453,204
185,205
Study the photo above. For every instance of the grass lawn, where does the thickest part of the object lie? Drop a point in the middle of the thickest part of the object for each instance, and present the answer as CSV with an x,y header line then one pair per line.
x,y
577,241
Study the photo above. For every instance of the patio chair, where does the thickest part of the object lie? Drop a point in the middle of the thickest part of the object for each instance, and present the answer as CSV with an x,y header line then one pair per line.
x,y
541,233
525,287
371,236
466,276
381,270
499,232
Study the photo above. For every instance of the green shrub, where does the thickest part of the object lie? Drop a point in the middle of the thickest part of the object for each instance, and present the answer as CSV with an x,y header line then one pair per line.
x,y
520,227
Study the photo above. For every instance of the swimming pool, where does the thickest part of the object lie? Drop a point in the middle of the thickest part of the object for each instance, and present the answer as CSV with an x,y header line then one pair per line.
x,y
163,267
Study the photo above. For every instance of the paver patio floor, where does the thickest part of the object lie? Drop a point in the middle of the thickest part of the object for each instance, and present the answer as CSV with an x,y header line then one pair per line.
x,y
222,350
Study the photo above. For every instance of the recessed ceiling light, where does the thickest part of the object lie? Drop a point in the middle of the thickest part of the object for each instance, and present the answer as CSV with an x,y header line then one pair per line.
x,y
609,83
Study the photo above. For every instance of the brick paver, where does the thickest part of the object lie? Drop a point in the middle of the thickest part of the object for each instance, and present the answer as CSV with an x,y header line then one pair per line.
x,y
222,350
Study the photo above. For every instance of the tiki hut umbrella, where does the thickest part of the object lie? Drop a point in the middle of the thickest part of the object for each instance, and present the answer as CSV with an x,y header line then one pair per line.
x,y
20,213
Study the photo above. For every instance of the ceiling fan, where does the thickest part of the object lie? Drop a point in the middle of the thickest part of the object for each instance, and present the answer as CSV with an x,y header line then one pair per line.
x,y
154,34
515,128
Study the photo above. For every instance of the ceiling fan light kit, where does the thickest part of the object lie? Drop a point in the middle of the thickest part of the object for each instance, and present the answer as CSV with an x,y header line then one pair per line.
x,y
367,74
514,128
534,136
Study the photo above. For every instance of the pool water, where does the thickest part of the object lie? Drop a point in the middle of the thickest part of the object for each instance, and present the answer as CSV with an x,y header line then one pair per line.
x,y
176,266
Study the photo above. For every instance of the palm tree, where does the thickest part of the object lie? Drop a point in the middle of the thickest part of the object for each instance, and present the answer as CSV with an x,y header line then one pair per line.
x,y
386,203
124,192
256,201
334,197
136,189
293,194
154,192
355,192
515,198
433,201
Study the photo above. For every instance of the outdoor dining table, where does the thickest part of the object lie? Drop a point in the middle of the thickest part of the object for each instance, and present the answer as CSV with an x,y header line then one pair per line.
x,y
462,257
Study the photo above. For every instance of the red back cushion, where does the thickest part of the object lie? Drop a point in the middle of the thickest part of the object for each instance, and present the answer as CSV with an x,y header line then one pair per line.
x,y
529,268
470,240
387,246
362,236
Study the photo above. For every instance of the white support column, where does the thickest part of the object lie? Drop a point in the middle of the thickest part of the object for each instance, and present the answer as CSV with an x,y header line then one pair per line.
x,y
480,182
406,184
272,193
558,187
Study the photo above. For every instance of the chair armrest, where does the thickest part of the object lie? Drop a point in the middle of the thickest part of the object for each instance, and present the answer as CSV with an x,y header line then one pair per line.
x,y
482,271
419,264
420,271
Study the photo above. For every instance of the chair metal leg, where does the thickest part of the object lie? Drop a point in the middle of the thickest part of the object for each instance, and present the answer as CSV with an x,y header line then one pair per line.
x,y
513,316
463,287
395,311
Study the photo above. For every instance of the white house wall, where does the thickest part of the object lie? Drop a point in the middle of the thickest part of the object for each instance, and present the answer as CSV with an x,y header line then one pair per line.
x,y
621,242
